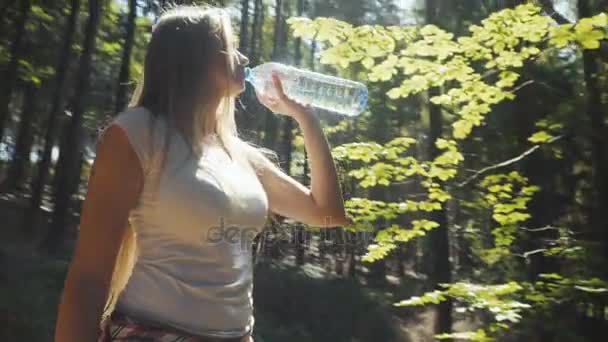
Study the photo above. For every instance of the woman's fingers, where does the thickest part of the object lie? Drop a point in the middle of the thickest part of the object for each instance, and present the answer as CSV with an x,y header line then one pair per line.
x,y
278,84
262,97
269,101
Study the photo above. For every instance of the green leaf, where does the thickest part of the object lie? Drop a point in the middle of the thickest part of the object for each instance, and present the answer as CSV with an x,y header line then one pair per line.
x,y
591,39
540,137
507,79
368,62
377,251
478,336
462,129
600,20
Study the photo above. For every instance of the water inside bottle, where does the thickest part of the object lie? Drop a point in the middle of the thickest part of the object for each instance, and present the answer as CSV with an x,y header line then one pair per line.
x,y
307,87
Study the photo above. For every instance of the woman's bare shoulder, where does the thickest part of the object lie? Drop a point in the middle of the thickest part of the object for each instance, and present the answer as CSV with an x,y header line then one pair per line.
x,y
115,147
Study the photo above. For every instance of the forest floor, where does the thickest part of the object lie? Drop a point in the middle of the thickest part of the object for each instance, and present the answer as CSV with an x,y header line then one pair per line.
x,y
307,303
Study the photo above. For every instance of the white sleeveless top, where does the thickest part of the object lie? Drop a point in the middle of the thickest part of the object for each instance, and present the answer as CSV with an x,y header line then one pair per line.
x,y
194,223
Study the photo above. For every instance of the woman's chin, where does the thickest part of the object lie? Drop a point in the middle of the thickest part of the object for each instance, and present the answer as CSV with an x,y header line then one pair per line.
x,y
238,89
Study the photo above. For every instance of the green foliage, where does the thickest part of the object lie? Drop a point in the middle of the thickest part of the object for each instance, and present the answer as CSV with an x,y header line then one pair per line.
x,y
588,32
500,301
548,129
473,74
430,57
506,196
540,137
34,74
554,288
477,335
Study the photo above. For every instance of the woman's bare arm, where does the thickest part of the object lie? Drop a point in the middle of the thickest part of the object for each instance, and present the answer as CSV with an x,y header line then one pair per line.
x,y
321,205
114,187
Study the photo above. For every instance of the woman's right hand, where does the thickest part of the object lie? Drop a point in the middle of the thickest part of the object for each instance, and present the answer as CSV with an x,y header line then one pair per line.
x,y
281,103
114,187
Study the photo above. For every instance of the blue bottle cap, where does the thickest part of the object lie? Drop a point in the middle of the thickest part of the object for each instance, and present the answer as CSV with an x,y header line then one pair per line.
x,y
248,74
362,99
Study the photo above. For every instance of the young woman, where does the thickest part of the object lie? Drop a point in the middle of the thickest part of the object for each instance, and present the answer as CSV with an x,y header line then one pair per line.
x,y
156,258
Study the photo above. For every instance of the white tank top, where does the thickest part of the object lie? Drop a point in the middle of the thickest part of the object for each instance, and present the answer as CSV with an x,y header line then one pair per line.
x,y
194,223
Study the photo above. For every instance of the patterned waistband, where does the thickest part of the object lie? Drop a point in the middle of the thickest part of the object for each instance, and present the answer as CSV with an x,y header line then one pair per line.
x,y
120,327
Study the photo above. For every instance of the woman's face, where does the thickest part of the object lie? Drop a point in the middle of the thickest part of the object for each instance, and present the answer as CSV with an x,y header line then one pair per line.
x,y
240,62
234,81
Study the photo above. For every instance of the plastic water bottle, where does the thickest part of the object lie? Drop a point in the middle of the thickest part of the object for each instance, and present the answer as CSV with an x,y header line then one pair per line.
x,y
322,91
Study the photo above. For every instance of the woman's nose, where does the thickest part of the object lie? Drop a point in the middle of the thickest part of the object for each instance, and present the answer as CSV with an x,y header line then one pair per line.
x,y
243,60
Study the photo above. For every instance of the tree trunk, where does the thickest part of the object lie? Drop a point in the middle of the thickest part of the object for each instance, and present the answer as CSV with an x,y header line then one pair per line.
x,y
23,146
598,216
31,215
438,237
272,121
289,122
24,135
305,171
352,256
125,66
377,269
244,26
5,5
256,32
287,141
10,76
339,252
283,38
3,10
246,96
599,142
71,150
252,117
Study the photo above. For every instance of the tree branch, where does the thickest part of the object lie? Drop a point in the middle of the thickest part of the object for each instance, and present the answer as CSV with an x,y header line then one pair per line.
x,y
507,162
539,229
522,85
528,253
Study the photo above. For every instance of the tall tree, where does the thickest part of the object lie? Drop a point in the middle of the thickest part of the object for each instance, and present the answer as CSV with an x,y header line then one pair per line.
x,y
438,238
379,131
53,118
3,10
311,66
595,110
246,97
16,52
24,132
23,144
5,5
256,32
125,66
301,233
256,53
288,123
68,175
244,26
272,121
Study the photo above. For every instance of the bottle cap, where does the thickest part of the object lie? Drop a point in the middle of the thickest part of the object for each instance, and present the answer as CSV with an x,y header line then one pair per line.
x,y
248,74
362,99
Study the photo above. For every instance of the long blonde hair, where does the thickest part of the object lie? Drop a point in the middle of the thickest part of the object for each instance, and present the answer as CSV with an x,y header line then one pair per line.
x,y
183,43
